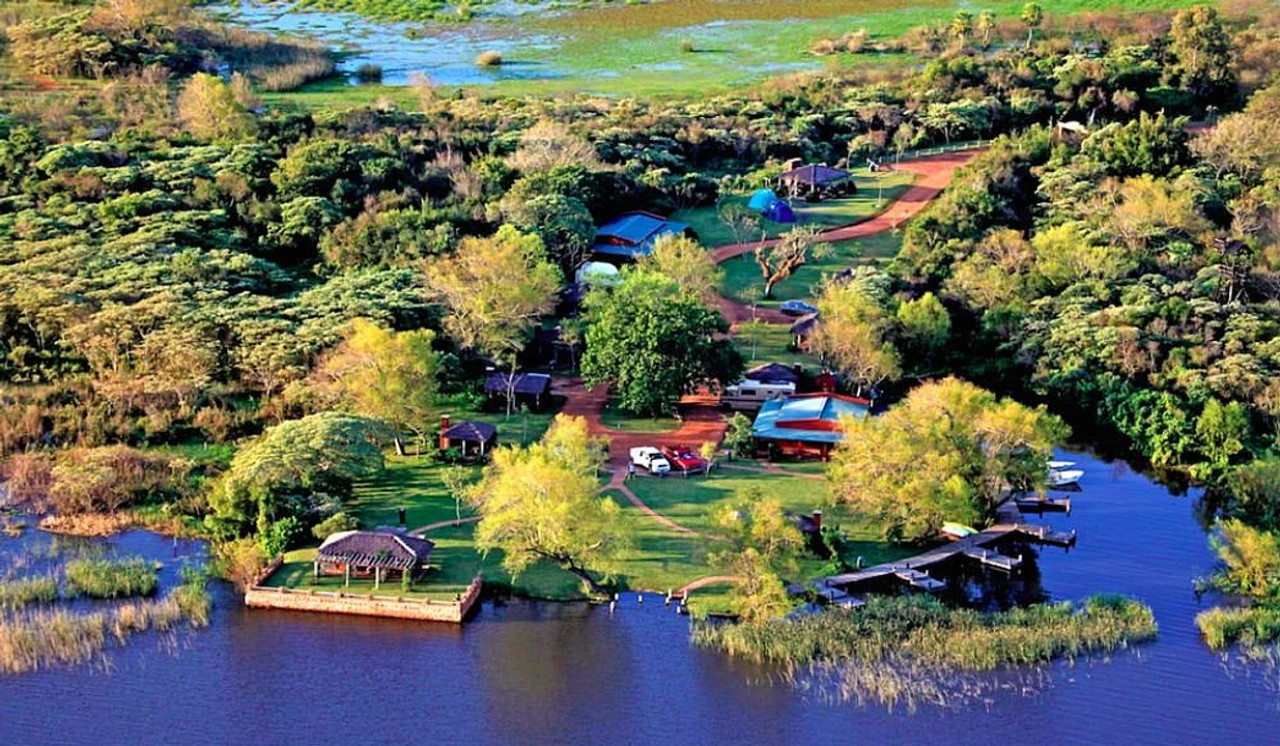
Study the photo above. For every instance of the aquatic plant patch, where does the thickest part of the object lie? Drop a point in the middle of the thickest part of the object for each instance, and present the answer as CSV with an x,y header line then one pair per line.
x,y
909,650
111,578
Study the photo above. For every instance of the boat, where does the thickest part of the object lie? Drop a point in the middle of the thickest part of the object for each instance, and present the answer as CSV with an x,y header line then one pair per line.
x,y
1063,477
1060,465
1043,504
957,531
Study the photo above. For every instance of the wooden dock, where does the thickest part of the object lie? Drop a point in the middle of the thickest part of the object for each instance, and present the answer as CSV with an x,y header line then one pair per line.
x,y
914,571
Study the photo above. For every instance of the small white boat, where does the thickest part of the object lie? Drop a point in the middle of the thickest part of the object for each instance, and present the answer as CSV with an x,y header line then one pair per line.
x,y
1060,465
1063,477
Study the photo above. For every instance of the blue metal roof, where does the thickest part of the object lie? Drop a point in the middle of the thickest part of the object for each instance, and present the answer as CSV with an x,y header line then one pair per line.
x,y
776,412
634,234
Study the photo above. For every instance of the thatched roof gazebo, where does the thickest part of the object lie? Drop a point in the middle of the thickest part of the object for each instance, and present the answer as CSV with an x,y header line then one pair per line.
x,y
371,553
474,436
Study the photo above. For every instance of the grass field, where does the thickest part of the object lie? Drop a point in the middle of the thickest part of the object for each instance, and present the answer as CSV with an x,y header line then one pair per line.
x,y
832,213
639,49
414,484
663,558
742,274
770,343
667,559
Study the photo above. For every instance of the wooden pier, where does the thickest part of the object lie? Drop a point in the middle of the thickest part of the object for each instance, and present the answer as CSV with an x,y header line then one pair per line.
x,y
914,571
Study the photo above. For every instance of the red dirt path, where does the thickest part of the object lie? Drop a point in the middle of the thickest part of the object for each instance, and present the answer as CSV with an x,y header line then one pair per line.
x,y
935,173
701,418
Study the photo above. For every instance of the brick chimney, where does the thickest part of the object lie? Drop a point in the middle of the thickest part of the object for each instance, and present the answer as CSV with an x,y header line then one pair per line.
x,y
817,520
445,424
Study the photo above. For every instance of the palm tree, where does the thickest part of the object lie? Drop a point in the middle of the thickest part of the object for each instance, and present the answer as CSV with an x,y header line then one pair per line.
x,y
1032,16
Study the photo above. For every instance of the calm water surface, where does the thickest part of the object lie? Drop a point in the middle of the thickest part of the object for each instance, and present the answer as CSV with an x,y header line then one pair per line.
x,y
573,674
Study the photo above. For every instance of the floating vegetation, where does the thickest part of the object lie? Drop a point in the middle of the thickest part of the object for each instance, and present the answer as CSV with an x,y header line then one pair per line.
x,y
18,594
41,639
915,650
1250,626
111,578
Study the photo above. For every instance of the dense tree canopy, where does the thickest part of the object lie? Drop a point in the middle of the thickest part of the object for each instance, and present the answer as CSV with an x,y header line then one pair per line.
x,y
542,502
652,343
946,453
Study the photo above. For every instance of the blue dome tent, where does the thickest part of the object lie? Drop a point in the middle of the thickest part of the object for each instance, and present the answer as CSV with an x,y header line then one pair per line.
x,y
780,212
761,200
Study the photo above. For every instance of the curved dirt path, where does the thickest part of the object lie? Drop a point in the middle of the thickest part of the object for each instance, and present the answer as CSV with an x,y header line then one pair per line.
x,y
935,172
701,418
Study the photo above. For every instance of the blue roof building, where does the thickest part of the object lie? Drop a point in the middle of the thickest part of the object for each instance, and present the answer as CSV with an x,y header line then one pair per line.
x,y
632,235
807,424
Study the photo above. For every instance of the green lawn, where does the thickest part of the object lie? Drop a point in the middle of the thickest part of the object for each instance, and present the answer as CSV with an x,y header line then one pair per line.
x,y
831,213
770,343
742,275
663,558
414,484
667,559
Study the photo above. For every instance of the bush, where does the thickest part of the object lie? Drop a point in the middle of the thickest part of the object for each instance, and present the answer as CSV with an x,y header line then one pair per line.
x,y
686,45
239,561
491,58
282,536
369,73
333,524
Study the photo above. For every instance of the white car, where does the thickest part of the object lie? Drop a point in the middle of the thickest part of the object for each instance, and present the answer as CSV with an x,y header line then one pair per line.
x,y
650,458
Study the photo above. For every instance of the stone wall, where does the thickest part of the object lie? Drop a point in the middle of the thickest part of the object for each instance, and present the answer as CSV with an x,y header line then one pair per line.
x,y
395,607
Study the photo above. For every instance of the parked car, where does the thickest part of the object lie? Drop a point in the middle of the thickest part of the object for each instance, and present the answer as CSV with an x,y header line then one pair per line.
x,y
650,458
684,459
797,308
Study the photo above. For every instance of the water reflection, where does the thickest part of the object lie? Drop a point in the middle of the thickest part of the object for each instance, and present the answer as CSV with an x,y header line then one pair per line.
x,y
575,674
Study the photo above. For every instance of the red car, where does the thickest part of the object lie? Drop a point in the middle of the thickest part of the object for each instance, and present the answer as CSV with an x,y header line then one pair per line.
x,y
684,459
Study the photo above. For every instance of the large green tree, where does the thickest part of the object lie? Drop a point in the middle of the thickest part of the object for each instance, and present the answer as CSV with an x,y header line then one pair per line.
x,y
946,453
542,502
496,288
758,545
387,375
292,464
653,343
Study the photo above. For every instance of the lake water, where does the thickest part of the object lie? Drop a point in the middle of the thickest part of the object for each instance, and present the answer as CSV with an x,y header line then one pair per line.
x,y
576,674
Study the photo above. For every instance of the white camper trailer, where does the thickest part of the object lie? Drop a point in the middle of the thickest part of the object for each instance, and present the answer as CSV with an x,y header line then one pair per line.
x,y
749,394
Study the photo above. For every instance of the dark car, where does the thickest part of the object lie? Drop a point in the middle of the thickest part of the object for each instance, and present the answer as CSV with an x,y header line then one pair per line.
x,y
798,308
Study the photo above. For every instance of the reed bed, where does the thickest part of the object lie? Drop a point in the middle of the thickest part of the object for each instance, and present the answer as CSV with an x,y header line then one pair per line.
x,y
87,524
1250,626
915,650
111,578
23,592
47,638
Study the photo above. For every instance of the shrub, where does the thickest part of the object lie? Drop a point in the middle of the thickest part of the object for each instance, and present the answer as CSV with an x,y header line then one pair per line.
x,y
239,561
333,524
491,58
687,45
369,73
282,536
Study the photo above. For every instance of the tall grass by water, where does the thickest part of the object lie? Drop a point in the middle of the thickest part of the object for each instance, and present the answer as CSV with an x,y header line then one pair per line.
x,y
111,578
909,650
23,592
45,638
1250,626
